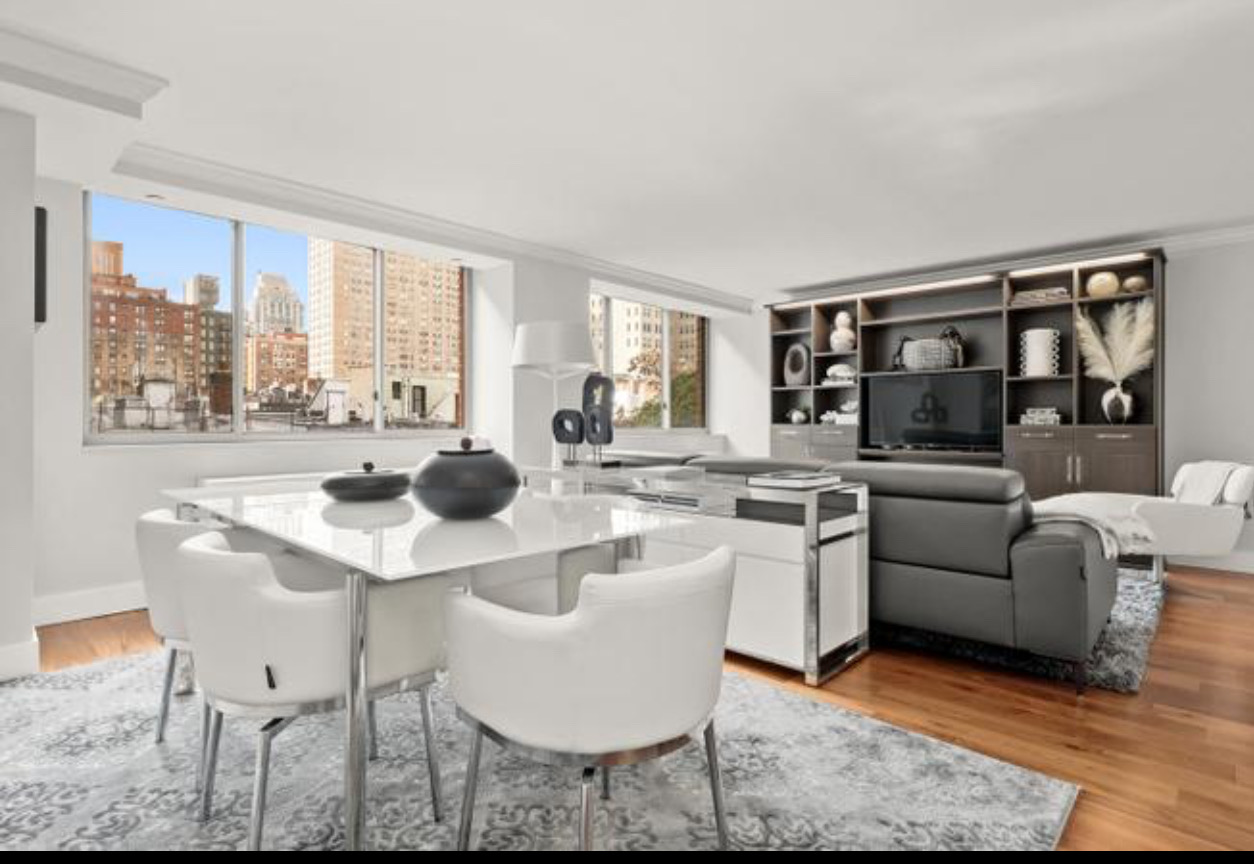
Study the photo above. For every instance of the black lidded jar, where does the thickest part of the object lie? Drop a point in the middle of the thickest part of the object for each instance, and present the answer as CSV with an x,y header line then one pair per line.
x,y
466,483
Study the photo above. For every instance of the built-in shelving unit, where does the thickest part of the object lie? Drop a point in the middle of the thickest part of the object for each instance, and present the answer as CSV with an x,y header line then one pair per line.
x,y
990,312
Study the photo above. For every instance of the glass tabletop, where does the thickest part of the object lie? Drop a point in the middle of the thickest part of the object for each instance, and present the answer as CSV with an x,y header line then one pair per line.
x,y
400,539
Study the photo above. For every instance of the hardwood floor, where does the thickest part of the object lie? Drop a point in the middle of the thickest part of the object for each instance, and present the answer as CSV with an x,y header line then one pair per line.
x,y
1171,767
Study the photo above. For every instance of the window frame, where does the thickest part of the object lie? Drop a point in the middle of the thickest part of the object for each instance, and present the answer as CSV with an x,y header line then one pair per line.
x,y
239,433
665,427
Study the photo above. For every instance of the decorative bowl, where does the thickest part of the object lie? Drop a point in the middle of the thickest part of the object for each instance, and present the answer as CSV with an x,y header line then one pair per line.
x,y
466,483
368,484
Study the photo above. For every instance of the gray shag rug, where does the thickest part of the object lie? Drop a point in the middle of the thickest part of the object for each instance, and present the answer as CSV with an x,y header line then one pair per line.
x,y
80,771
1119,659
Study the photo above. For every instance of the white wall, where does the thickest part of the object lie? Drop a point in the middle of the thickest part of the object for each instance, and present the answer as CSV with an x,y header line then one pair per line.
x,y
739,381
19,652
1210,391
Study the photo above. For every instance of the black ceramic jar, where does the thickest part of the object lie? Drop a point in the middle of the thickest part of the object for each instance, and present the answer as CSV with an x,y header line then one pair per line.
x,y
368,484
466,483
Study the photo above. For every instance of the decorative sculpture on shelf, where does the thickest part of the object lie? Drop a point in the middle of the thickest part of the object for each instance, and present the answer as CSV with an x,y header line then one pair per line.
x,y
797,365
1125,349
844,338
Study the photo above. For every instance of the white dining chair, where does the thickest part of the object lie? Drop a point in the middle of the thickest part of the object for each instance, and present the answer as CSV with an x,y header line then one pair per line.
x,y
631,674
158,535
266,651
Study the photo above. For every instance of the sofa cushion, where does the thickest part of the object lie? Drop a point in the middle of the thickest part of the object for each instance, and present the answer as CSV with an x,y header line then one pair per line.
x,y
945,482
647,458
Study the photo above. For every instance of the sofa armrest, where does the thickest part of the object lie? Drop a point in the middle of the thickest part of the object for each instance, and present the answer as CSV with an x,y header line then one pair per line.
x,y
1064,589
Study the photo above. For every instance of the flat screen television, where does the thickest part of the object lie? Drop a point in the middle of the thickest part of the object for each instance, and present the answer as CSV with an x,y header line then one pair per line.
x,y
933,411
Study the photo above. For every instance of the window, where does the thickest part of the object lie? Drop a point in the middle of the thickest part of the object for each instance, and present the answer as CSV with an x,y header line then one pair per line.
x,y
423,359
657,360
161,320
309,336
301,328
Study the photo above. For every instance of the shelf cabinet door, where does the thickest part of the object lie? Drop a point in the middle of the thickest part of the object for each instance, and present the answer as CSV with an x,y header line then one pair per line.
x,y
1117,459
1045,458
790,442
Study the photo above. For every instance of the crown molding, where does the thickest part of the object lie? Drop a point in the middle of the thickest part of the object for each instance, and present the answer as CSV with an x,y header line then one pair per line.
x,y
75,74
180,170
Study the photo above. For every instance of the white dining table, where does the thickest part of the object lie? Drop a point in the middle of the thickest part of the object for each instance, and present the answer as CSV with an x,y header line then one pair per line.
x,y
396,540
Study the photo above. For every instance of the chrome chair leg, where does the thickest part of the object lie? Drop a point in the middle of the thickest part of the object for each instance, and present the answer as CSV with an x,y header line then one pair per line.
x,y
585,809
374,730
261,778
468,797
211,765
167,687
716,785
605,782
205,712
433,763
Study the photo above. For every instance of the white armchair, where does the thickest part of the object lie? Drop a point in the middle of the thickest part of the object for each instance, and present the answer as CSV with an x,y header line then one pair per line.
x,y
630,675
264,650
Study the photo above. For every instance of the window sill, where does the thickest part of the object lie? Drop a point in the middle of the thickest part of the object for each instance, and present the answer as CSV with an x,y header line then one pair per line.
x,y
106,443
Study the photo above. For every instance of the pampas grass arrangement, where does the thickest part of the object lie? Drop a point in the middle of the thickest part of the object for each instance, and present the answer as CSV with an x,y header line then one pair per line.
x,y
1124,349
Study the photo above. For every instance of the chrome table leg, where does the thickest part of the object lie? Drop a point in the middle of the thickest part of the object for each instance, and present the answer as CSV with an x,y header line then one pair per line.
x,y
585,809
468,796
433,763
716,785
355,713
167,687
373,720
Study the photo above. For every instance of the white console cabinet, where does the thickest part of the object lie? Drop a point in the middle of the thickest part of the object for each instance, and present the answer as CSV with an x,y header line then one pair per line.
x,y
800,598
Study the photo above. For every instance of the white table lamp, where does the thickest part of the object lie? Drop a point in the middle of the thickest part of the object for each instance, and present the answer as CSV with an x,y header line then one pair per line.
x,y
555,349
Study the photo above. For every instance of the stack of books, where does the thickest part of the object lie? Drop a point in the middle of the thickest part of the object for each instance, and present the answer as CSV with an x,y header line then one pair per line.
x,y
793,480
1040,417
1033,296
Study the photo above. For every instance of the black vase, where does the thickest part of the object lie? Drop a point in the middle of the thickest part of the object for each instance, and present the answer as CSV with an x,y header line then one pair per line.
x,y
466,483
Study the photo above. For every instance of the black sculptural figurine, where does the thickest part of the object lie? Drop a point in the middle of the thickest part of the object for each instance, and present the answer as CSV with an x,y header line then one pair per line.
x,y
598,413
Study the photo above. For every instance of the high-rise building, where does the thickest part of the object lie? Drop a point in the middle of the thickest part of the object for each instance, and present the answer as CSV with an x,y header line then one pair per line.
x,y
423,311
203,291
277,307
138,334
277,360
341,309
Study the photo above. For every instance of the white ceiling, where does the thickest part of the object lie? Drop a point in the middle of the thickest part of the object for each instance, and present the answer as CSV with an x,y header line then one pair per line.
x,y
746,145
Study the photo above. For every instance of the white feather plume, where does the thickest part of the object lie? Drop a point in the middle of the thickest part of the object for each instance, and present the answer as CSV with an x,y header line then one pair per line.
x,y
1127,346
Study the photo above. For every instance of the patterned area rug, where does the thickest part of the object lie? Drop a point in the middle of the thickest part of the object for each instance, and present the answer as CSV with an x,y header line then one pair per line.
x,y
80,771
1119,659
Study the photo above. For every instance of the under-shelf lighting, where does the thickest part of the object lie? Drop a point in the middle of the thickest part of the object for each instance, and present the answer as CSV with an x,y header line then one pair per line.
x,y
1079,265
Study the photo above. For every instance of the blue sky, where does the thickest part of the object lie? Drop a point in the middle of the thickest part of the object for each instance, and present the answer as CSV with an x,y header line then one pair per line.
x,y
163,247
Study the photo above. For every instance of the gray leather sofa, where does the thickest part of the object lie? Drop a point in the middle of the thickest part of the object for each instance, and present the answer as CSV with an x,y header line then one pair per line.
x,y
954,550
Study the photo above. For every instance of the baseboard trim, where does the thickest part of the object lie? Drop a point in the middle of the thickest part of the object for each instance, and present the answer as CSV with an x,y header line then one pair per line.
x,y
89,603
20,658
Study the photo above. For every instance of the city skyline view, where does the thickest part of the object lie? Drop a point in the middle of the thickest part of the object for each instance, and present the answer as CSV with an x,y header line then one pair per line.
x,y
164,324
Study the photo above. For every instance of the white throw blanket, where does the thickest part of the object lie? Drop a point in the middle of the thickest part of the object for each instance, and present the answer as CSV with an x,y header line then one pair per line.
x,y
1204,482
1109,514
